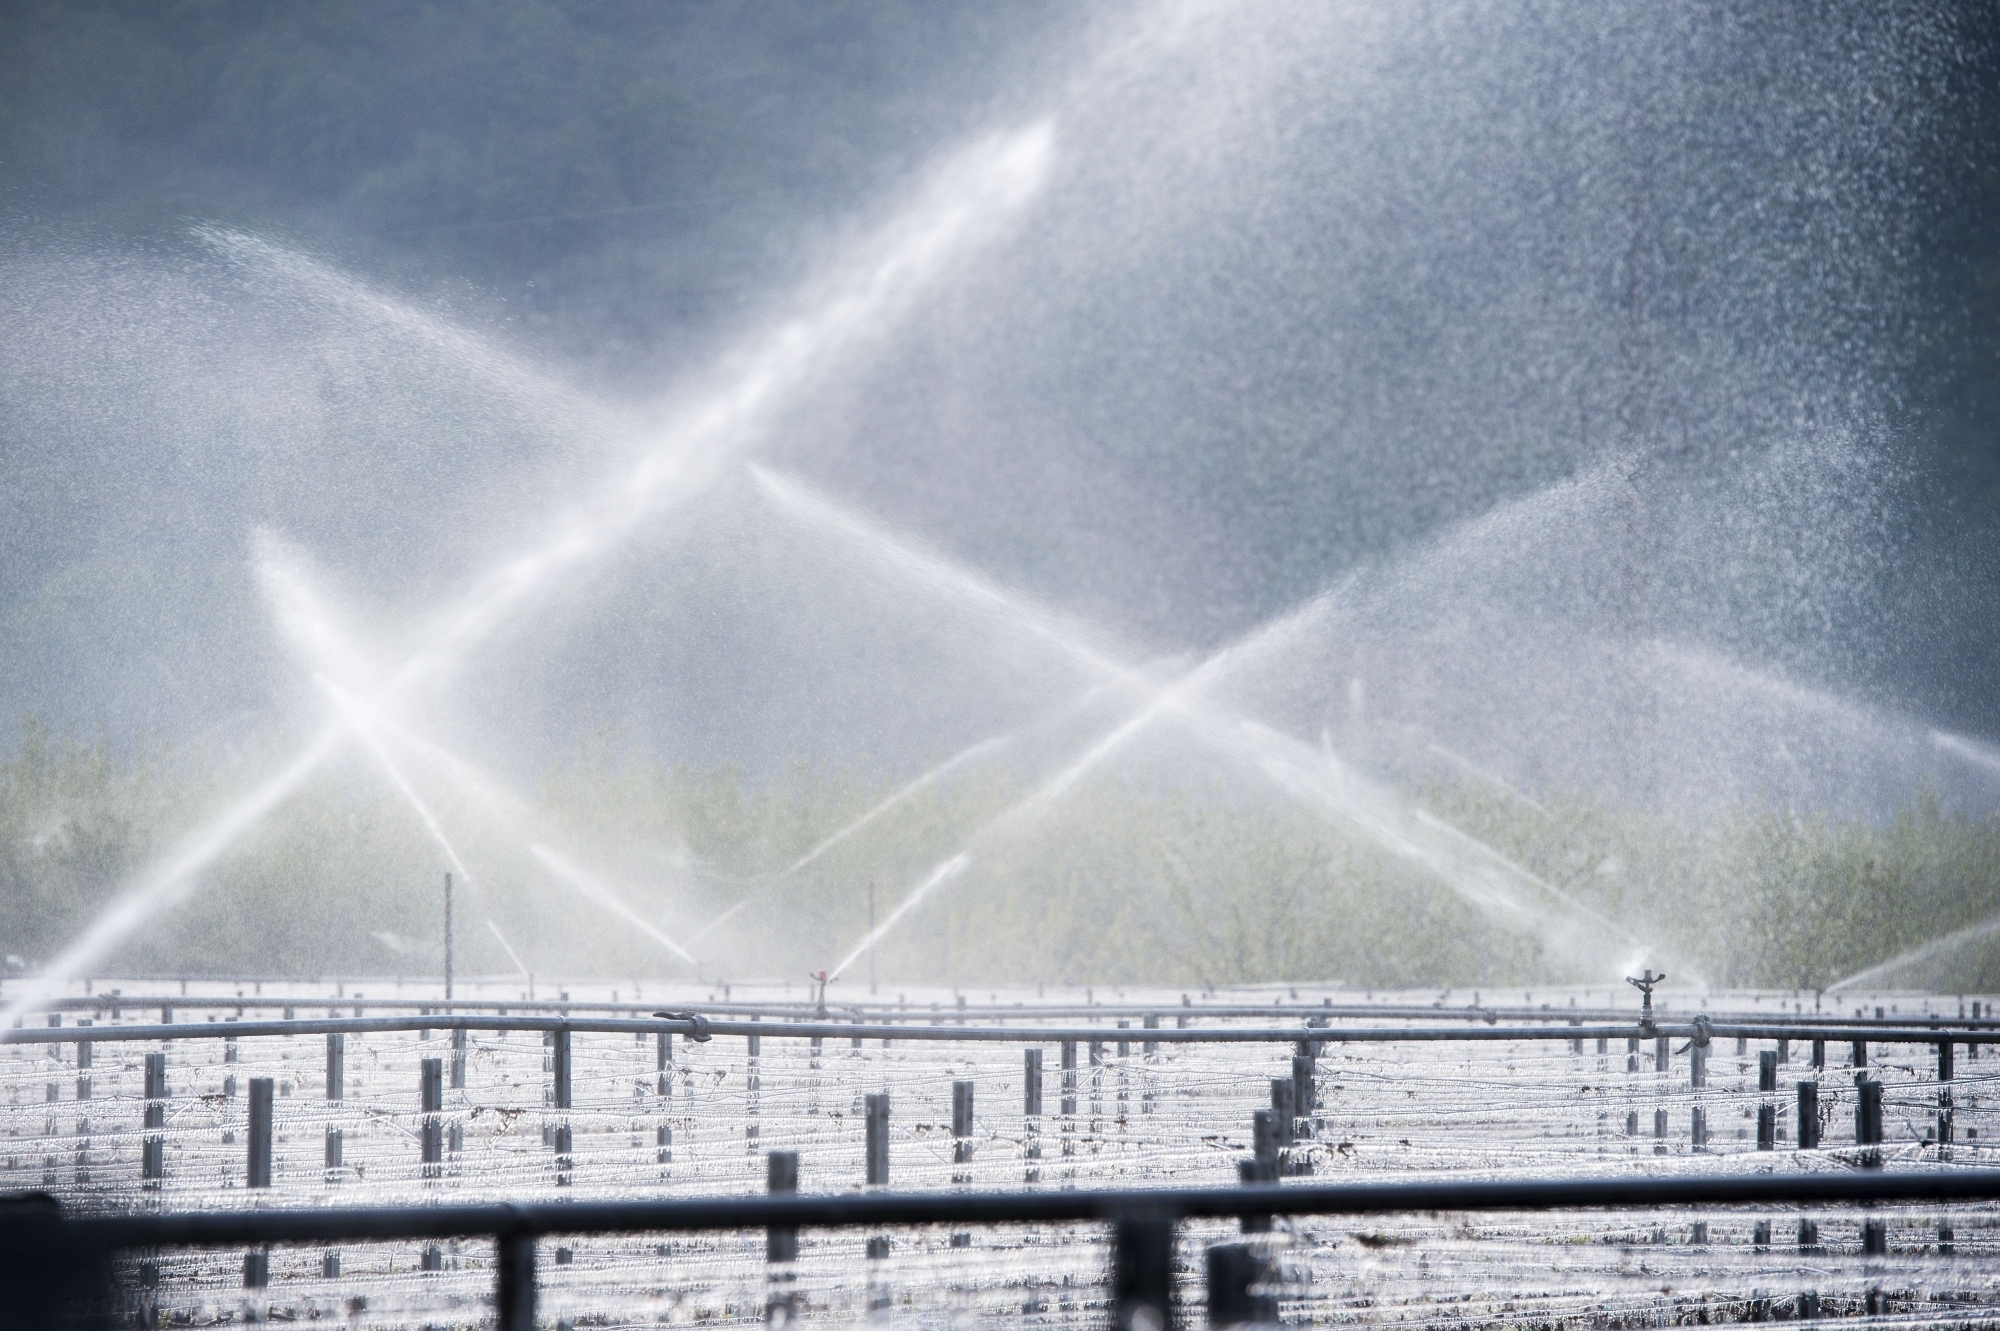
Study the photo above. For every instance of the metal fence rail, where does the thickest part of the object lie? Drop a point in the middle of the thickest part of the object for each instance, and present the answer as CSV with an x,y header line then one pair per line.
x,y
701,1028
1792,1024
41,1249
908,1012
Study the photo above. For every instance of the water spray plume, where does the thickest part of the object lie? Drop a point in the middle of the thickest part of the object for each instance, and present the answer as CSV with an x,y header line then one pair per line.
x,y
605,897
926,780
311,625
939,876
717,922
371,740
1971,751
966,201
304,615
1466,765
470,779
901,796
908,559
506,947
1317,778
1923,952
170,881
1173,698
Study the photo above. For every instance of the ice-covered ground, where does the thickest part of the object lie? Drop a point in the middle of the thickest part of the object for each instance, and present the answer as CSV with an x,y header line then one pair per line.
x,y
1179,1115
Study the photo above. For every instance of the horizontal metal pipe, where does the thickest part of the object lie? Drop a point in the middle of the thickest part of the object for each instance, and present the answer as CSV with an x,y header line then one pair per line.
x,y
804,1030
885,1013
321,1225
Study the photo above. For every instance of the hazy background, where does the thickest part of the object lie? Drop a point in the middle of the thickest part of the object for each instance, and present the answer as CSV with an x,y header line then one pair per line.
x,y
1312,293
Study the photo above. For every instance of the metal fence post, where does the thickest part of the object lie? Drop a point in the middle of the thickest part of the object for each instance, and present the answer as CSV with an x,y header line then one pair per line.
x,y
514,1286
1945,1124
559,1068
1767,1112
877,1151
781,1175
1808,1115
336,1091
259,1164
753,1086
1284,1119
1142,1273
153,1147
431,1126
877,1141
336,1067
961,1126
1031,1112
1868,1119
1234,1272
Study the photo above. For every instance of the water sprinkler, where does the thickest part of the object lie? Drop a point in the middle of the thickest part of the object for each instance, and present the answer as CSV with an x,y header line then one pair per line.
x,y
819,978
1644,984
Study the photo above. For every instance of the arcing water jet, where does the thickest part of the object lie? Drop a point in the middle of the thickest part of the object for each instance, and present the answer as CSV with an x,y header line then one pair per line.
x,y
965,202
592,888
901,796
1319,779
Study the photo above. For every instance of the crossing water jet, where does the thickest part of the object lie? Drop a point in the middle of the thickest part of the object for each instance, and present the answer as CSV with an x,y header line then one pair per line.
x,y
1318,779
937,878
901,796
596,891
373,743
927,779
967,200
311,625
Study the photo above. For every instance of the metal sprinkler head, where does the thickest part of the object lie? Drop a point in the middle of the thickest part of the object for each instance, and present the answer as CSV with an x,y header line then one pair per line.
x,y
1644,984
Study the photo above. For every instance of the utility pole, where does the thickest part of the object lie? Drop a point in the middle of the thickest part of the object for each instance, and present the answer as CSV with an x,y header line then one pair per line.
x,y
447,936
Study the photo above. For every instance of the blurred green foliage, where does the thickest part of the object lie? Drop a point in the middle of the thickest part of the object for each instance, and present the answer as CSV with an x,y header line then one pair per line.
x,y
1121,881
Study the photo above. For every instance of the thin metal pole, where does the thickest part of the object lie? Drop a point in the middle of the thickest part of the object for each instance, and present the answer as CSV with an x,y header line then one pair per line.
x,y
871,932
447,936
